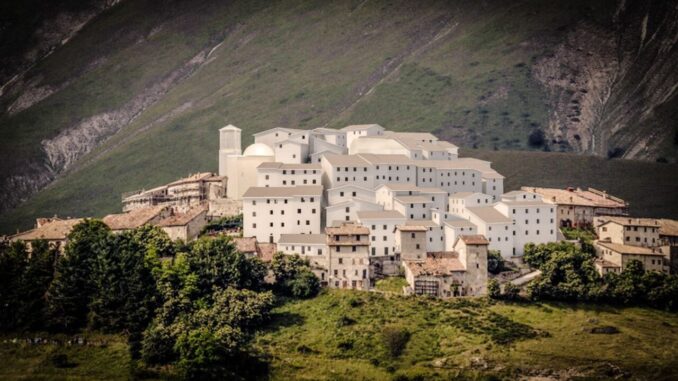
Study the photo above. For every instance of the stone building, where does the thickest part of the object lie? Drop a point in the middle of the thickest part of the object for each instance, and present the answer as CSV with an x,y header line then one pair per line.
x,y
184,193
53,230
137,217
462,272
349,257
184,225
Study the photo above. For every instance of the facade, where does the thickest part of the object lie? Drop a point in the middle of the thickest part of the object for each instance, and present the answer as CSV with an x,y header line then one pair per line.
x,y
288,175
183,193
576,207
615,257
382,224
628,231
269,212
186,225
533,219
349,260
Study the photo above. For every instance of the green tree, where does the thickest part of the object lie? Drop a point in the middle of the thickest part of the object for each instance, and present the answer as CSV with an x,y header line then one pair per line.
x,y
71,291
12,266
217,264
35,281
127,266
293,276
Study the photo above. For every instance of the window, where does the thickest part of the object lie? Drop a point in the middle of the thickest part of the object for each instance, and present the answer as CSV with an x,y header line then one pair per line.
x,y
353,248
341,261
254,226
412,235
298,211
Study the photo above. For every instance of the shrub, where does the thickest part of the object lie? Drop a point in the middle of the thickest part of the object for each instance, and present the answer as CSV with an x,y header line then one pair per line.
x,y
536,138
495,262
395,340
493,289
511,291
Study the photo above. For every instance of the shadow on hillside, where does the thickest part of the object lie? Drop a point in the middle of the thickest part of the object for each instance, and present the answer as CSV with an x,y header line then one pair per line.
x,y
282,320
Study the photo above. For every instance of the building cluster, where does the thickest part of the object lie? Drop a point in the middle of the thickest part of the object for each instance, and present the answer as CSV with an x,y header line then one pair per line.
x,y
362,202
653,242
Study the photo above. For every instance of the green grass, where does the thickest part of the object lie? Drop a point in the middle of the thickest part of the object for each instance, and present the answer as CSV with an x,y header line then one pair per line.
x,y
579,234
339,335
393,284
311,339
21,361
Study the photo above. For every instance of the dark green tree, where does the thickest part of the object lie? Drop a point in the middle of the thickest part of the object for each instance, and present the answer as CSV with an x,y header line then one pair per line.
x,y
71,291
293,276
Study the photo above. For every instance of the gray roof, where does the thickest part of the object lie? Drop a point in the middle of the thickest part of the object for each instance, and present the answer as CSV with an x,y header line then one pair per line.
x,y
489,214
306,190
379,214
314,239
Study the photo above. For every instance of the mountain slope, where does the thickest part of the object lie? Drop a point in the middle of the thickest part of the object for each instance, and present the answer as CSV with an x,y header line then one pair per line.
x,y
135,98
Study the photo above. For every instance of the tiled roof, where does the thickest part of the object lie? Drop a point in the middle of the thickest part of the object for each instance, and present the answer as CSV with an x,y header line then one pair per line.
x,y
577,197
668,228
628,221
476,239
245,244
627,249
134,218
56,229
181,219
413,199
347,229
265,251
436,264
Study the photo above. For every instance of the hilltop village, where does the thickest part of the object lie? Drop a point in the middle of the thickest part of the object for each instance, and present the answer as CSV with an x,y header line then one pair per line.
x,y
362,203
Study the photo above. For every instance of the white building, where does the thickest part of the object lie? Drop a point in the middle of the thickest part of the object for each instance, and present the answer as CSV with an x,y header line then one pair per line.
x,y
382,224
347,193
346,211
358,130
274,174
534,221
269,212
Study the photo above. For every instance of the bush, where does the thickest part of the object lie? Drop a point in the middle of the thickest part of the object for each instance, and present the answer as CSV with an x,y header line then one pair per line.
x,y
495,262
158,345
511,291
536,138
395,340
493,289
304,285
293,276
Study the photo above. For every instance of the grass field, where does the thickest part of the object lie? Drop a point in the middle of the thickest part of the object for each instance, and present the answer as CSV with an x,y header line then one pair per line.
x,y
339,335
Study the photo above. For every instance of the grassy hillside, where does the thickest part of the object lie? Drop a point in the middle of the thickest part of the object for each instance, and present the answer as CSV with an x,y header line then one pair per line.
x,y
148,85
339,335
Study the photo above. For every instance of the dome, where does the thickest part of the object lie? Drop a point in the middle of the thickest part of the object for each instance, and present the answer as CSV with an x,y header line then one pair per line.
x,y
258,149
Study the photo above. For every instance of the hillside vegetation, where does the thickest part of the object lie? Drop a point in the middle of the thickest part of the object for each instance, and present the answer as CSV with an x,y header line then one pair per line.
x,y
339,335
134,99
